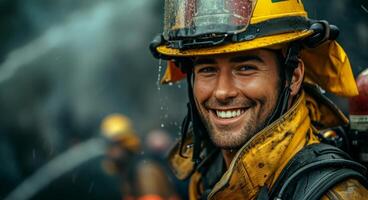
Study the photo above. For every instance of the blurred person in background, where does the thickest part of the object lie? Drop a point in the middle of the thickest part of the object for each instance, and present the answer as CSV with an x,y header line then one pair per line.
x,y
158,143
256,110
141,177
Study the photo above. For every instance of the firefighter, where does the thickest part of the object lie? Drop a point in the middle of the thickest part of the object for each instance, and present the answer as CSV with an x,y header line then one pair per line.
x,y
256,72
138,174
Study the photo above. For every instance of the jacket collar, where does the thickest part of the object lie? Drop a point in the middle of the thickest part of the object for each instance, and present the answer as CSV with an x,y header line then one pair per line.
x,y
261,160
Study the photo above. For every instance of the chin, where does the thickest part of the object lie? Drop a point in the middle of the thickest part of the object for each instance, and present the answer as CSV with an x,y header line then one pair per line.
x,y
228,140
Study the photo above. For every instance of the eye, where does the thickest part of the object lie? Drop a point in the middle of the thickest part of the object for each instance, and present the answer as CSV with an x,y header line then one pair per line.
x,y
206,70
246,68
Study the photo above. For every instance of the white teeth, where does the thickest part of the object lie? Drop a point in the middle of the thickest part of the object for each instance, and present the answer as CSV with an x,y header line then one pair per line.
x,y
228,114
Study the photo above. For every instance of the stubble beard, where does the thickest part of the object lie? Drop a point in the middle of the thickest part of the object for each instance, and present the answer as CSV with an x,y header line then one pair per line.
x,y
228,140
225,137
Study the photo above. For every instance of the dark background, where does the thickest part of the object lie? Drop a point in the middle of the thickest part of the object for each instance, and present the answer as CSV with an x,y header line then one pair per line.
x,y
66,64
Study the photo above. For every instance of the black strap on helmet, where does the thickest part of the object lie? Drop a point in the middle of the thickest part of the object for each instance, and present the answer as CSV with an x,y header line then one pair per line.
x,y
323,31
156,42
198,129
192,117
184,130
289,65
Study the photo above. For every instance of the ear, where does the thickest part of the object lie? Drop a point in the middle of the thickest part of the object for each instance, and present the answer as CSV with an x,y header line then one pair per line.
x,y
297,79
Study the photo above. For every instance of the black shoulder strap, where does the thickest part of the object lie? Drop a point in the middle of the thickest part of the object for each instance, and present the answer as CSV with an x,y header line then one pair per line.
x,y
316,189
313,171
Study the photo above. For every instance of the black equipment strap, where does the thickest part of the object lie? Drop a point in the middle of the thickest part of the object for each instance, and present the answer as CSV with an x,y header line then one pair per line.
x,y
313,171
331,178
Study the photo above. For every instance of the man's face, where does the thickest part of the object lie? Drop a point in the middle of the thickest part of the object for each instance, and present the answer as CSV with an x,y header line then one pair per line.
x,y
235,94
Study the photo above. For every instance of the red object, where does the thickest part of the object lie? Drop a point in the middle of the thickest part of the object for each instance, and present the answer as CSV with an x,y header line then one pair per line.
x,y
150,197
358,105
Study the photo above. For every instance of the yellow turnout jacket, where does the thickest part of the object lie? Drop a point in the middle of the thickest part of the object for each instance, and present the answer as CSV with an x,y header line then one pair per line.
x,y
260,161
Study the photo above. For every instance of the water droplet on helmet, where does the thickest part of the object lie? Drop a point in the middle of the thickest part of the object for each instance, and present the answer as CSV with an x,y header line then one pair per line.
x,y
250,37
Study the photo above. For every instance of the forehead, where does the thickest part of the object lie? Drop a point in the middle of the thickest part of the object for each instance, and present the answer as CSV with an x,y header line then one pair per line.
x,y
259,55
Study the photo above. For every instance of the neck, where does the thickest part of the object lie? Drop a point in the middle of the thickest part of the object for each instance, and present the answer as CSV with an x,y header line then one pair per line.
x,y
228,156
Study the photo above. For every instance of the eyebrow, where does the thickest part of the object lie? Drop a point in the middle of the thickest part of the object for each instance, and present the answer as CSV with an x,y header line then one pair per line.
x,y
236,59
201,61
239,59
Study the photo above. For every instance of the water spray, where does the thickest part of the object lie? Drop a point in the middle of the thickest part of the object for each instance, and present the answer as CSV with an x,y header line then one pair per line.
x,y
63,163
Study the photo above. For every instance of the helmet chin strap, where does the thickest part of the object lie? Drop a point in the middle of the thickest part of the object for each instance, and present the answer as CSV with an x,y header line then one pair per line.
x,y
281,106
199,131
290,64
198,127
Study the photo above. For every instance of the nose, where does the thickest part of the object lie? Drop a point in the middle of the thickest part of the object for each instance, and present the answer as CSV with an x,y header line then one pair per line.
x,y
225,87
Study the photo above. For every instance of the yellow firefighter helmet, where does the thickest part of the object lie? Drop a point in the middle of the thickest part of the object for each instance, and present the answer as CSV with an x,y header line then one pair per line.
x,y
210,27
118,128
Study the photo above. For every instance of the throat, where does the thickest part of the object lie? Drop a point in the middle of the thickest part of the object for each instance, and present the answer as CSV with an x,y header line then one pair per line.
x,y
228,156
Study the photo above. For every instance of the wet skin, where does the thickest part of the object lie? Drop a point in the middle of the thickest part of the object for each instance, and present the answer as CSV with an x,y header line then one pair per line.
x,y
235,94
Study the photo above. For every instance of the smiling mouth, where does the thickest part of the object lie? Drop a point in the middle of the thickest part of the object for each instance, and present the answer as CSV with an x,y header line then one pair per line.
x,y
228,114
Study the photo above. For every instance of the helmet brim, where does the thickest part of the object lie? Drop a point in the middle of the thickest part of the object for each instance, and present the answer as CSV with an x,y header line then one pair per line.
x,y
262,42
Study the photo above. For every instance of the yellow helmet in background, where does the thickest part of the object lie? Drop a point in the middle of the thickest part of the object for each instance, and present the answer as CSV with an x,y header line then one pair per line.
x,y
118,128
210,27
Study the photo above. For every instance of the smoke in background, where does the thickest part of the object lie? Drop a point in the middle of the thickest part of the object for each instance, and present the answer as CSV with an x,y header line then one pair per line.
x,y
70,65
66,64
351,16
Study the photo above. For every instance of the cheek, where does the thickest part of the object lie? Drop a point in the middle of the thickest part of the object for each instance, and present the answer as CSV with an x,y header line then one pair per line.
x,y
261,88
202,90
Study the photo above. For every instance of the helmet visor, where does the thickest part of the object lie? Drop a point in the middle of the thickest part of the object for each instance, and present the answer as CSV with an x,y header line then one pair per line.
x,y
194,18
